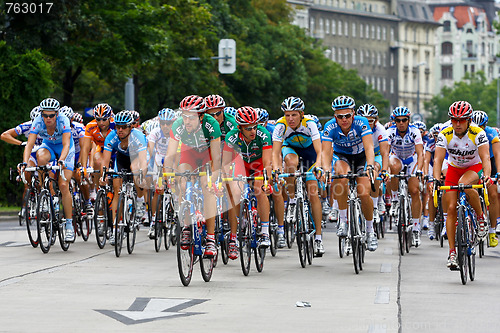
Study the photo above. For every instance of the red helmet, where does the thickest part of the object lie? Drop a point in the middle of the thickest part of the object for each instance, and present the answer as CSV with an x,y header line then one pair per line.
x,y
246,115
214,101
193,103
461,110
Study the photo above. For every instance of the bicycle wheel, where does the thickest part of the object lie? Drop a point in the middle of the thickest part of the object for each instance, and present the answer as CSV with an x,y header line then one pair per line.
x,y
30,208
207,265
225,232
361,232
401,219
44,221
471,250
342,246
168,225
159,223
131,225
381,226
85,223
462,244
244,238
61,233
225,247
120,223
353,234
301,234
185,252
273,228
101,218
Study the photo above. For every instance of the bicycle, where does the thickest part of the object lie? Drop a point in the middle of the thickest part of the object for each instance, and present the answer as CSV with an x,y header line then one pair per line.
x,y
30,204
190,216
222,229
103,216
466,236
81,221
126,219
49,211
166,217
482,239
355,242
439,218
379,224
303,218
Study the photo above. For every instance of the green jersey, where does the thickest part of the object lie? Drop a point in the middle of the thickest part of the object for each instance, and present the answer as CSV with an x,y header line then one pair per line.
x,y
228,124
200,139
249,151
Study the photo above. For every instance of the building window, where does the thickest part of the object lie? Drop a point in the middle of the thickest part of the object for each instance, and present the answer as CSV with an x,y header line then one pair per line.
x,y
367,30
353,30
346,29
446,48
340,55
361,57
465,69
446,26
334,54
384,84
447,72
469,49
384,33
384,59
354,57
406,34
378,33
334,28
427,36
391,86
327,27
374,58
340,28
321,28
373,32
346,56
483,49
361,27
379,60
425,13
414,35
392,59
472,69
368,57
393,36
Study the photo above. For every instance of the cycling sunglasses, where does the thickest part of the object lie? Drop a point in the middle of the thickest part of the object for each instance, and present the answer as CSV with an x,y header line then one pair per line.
x,y
166,123
49,115
250,128
216,114
121,126
100,119
343,116
401,120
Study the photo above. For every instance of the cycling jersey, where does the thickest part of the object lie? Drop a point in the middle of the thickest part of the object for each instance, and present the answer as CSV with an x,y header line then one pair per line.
x,y
93,132
462,152
404,146
160,145
270,128
136,143
492,136
24,129
302,137
198,140
249,151
430,146
379,135
352,143
77,132
228,124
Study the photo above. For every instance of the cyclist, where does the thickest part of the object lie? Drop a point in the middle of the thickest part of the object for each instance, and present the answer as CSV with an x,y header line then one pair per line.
x,y
77,118
54,129
157,147
263,119
481,119
406,150
200,135
250,146
296,136
468,161
429,149
425,196
129,144
381,148
347,140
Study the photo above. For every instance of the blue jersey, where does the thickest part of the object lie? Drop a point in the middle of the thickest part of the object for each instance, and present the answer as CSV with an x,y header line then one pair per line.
x,y
24,129
62,126
350,143
492,135
430,146
136,143
270,128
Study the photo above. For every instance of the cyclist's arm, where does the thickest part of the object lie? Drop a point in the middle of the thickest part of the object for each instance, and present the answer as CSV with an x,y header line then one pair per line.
x,y
106,157
384,151
171,154
419,148
267,159
317,148
9,136
439,155
326,155
29,147
484,153
216,156
496,153
227,158
86,145
66,137
276,158
369,150
427,162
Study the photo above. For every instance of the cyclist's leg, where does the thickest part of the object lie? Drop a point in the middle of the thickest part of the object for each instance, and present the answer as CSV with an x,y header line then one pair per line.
x,y
312,192
340,189
395,166
291,160
451,199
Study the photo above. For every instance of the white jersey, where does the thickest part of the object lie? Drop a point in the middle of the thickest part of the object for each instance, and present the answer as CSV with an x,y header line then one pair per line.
x,y
462,152
404,146
161,144
379,135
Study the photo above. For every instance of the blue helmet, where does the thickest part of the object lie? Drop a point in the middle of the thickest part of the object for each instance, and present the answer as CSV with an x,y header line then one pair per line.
x,y
262,115
124,117
480,117
400,111
230,111
367,110
434,130
167,114
316,120
343,102
420,125
292,104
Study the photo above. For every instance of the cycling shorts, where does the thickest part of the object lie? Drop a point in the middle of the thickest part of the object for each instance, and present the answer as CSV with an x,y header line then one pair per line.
x,y
410,162
453,174
55,152
356,160
308,156
194,158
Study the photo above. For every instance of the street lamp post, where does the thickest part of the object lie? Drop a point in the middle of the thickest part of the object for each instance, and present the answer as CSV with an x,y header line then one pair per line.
x,y
498,101
418,85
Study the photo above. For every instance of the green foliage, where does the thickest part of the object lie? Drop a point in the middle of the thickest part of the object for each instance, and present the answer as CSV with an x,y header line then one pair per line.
x,y
25,81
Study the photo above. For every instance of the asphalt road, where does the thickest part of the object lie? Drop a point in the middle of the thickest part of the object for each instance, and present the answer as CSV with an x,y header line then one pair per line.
x,y
88,289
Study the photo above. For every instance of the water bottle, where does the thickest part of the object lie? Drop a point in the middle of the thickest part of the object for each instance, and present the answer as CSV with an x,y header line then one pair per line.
x,y
56,205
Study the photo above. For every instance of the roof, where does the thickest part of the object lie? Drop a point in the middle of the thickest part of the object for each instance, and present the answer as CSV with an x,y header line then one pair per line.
x,y
415,11
463,14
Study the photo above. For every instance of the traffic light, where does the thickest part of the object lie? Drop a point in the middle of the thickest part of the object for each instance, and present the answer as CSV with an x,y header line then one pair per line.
x,y
227,56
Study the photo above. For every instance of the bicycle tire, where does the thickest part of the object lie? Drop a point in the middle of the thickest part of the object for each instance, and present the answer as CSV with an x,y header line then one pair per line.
x,y
259,254
342,246
462,244
131,226
168,226
101,218
44,221
362,229
225,247
273,228
30,207
301,234
159,220
244,238
471,251
207,264
382,226
401,227
185,257
224,244
61,234
85,223
120,222
353,236
408,226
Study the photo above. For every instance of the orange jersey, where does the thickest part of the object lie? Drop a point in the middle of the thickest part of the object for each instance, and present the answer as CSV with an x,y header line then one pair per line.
x,y
92,131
